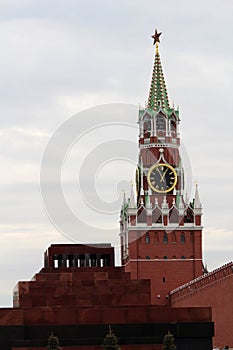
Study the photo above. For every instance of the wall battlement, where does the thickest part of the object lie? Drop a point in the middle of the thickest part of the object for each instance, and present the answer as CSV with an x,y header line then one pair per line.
x,y
207,280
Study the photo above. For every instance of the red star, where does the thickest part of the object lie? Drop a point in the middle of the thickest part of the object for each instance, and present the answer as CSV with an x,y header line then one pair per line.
x,y
156,37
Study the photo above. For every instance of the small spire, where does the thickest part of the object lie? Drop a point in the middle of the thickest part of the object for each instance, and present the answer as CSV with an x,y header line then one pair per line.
x,y
165,203
158,96
181,205
186,198
124,199
197,202
132,203
147,200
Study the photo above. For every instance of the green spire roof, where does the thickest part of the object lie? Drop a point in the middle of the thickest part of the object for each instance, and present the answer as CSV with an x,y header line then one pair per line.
x,y
158,96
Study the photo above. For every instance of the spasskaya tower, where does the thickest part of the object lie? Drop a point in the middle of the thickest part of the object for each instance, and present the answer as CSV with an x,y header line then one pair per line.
x,y
161,233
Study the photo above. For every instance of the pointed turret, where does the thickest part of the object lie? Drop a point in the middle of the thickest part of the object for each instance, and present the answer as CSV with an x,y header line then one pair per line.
x,y
197,202
197,207
132,203
124,200
158,96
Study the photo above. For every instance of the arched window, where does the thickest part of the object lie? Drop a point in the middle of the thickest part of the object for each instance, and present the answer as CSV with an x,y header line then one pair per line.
x,y
165,238
156,237
147,238
191,237
156,257
183,257
165,257
147,125
147,257
173,237
182,238
173,126
160,124
174,257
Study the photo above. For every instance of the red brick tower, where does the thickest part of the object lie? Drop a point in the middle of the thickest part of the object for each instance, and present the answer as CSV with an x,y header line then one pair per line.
x,y
161,234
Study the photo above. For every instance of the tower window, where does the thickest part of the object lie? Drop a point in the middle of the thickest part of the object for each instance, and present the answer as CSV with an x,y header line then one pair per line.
x,y
147,126
183,257
173,237
164,279
165,257
147,238
173,125
165,238
156,237
147,257
191,237
160,123
182,238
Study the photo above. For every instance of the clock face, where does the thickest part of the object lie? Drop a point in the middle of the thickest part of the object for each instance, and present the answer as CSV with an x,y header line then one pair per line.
x,y
162,177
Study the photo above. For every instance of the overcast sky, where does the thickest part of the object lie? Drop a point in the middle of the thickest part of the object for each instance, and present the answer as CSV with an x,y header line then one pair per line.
x,y
60,57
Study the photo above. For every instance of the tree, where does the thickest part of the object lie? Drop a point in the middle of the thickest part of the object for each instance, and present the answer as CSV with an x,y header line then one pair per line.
x,y
53,343
169,342
110,341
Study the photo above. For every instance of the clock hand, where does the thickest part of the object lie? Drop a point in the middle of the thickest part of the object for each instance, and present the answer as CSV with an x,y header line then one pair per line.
x,y
162,178
160,174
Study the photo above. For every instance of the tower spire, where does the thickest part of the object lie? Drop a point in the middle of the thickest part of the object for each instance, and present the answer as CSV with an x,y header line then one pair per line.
x,y
132,203
197,202
158,96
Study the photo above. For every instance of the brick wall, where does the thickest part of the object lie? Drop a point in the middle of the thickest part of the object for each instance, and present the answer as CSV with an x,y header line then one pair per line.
x,y
215,290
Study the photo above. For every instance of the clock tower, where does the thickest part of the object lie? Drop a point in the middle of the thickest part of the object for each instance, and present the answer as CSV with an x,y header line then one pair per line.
x,y
160,231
